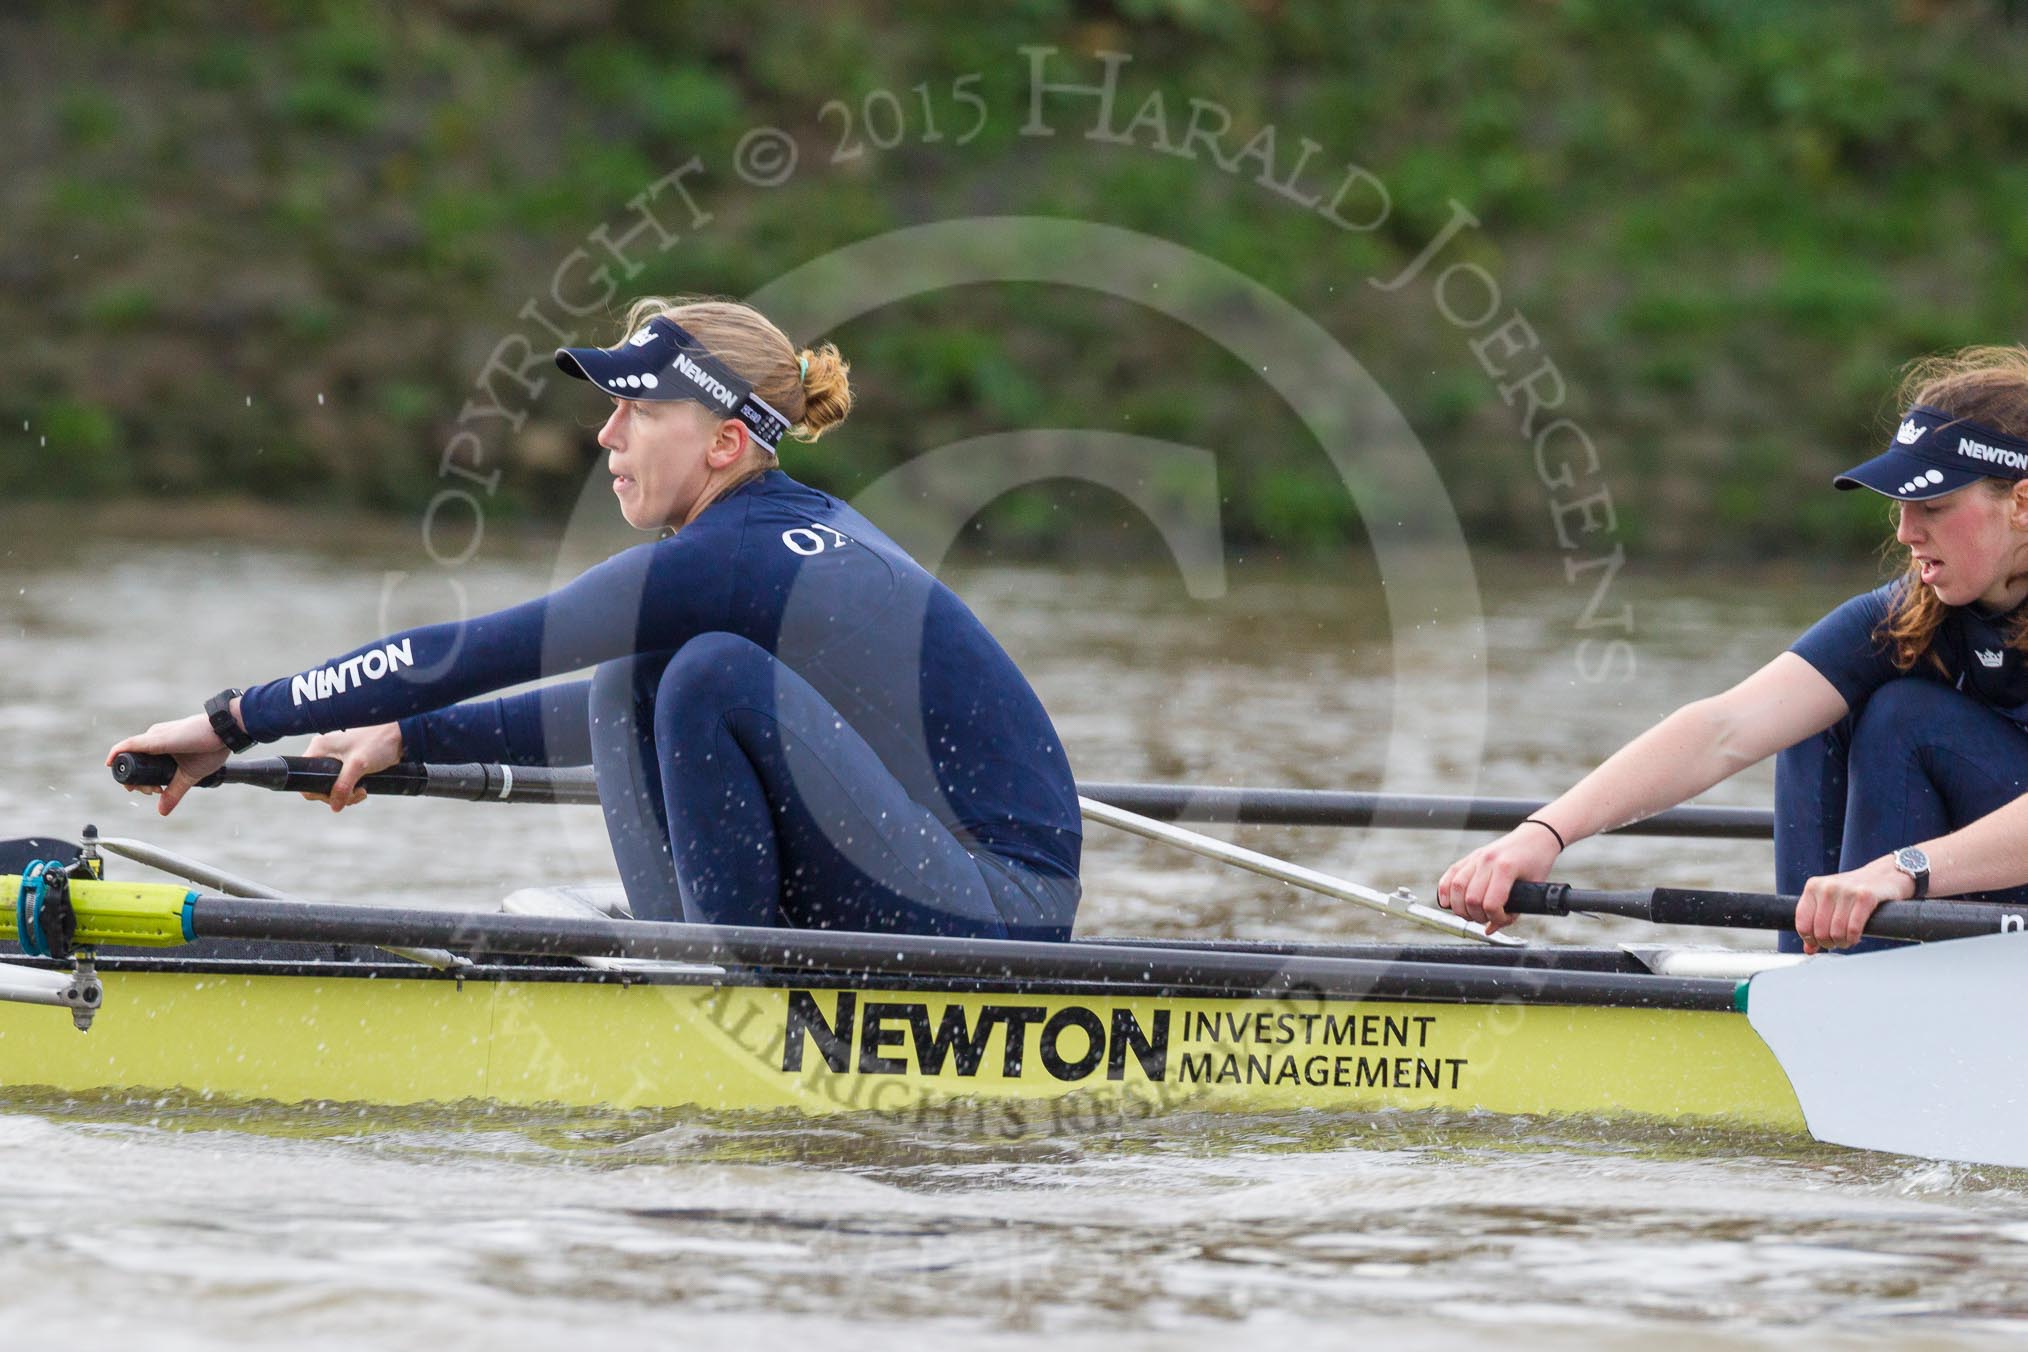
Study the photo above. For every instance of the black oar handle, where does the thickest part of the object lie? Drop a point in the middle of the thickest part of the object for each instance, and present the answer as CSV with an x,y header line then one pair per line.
x,y
1760,910
139,771
318,774
143,772
287,774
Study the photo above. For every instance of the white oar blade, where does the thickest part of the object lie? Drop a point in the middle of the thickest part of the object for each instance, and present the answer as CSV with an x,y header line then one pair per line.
x,y
1914,1050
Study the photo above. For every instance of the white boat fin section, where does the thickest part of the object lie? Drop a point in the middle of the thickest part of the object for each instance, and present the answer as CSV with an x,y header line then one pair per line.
x,y
210,875
606,900
593,901
1914,1050
1722,964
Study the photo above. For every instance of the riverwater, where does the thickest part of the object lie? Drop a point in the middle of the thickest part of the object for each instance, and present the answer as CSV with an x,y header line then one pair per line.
x,y
182,1224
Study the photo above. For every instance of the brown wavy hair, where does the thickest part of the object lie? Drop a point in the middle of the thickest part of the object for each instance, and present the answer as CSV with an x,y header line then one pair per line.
x,y
1986,385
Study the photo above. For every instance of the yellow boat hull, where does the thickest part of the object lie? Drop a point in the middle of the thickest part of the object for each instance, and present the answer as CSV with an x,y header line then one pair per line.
x,y
1015,1057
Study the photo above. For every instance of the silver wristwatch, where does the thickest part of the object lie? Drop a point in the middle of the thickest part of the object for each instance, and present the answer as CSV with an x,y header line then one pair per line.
x,y
1915,864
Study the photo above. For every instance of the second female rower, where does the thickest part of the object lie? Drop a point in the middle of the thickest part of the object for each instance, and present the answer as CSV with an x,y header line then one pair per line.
x,y
791,721
1901,718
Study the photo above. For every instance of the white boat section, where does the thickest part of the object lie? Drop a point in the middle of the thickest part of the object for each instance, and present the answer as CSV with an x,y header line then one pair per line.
x,y
600,901
1722,964
605,901
1914,1050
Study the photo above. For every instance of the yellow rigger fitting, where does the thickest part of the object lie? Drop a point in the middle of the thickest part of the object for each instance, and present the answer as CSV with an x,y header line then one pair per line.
x,y
131,915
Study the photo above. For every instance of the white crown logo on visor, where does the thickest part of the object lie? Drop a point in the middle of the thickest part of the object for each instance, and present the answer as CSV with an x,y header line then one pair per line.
x,y
1909,433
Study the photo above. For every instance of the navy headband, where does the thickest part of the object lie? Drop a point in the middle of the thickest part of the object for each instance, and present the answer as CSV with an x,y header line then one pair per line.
x,y
663,363
1934,453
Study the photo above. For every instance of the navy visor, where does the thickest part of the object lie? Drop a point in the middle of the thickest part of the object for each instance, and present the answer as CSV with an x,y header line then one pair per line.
x,y
1934,453
664,363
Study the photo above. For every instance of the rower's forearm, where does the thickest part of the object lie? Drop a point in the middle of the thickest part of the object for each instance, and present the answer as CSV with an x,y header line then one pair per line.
x,y
1990,855
1679,758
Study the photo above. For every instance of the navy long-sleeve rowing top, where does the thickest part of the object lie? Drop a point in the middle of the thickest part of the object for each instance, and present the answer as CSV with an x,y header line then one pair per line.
x,y
1973,647
795,571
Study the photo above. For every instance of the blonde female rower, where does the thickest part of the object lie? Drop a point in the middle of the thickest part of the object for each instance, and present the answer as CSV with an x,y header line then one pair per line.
x,y
791,721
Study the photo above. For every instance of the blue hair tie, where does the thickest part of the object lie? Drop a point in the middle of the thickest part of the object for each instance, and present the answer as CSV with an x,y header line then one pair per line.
x,y
803,364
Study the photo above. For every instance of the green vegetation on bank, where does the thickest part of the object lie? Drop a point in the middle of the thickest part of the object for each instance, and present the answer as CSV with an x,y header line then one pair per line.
x,y
266,248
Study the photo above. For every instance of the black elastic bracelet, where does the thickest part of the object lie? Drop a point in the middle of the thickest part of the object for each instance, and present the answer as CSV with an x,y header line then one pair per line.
x,y
1561,844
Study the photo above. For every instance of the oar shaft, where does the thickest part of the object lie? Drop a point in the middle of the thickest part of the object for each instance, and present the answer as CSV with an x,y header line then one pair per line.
x,y
1758,910
1160,802
1413,811
1136,967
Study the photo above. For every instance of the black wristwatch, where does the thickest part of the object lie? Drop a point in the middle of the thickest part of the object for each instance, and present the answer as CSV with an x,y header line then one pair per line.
x,y
1915,864
219,710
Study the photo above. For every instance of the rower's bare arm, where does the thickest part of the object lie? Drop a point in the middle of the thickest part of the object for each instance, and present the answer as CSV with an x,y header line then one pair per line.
x,y
1989,855
1702,743
1686,753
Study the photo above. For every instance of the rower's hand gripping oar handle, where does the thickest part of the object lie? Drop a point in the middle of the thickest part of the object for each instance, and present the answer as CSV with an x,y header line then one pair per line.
x,y
286,774
139,771
1760,910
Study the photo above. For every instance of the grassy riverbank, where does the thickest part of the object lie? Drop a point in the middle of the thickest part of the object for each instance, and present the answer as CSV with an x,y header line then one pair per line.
x,y
266,248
